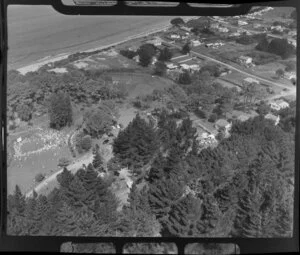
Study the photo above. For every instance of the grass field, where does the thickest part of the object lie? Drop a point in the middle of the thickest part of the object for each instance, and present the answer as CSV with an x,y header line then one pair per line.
x,y
23,169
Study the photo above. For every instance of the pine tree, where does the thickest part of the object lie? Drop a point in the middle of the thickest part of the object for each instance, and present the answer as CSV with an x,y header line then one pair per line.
x,y
65,221
76,193
65,178
183,216
19,201
136,144
97,160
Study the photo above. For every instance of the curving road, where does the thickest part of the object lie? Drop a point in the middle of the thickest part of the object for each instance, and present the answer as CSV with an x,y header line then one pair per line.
x,y
51,180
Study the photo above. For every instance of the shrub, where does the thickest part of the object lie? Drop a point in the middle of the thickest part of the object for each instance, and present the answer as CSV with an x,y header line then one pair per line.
x,y
63,162
39,177
86,143
60,110
185,78
146,52
201,114
177,21
160,68
24,112
212,118
98,121
165,54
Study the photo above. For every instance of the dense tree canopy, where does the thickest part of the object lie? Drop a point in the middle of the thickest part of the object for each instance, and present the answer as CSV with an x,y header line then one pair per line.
x,y
60,110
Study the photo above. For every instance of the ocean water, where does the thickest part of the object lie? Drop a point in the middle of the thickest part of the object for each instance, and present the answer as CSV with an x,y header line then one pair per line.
x,y
39,32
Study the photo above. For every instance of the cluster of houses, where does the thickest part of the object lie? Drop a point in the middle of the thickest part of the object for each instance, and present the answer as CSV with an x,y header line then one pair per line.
x,y
219,28
214,45
279,104
246,61
276,105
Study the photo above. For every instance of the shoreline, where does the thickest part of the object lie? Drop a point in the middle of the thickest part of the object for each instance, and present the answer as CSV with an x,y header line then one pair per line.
x,y
52,59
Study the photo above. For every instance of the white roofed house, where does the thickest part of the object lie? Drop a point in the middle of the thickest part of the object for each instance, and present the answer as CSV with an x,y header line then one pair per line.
x,y
195,43
245,60
155,41
223,29
279,104
136,58
272,117
214,25
283,104
290,75
242,23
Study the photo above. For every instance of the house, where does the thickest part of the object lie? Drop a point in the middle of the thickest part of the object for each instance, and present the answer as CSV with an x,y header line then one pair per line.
x,y
171,66
270,116
249,80
242,23
155,41
245,60
256,25
277,28
293,42
223,124
279,104
214,25
290,75
154,60
194,67
223,29
283,104
235,34
195,43
175,36
136,58
185,66
292,33
188,29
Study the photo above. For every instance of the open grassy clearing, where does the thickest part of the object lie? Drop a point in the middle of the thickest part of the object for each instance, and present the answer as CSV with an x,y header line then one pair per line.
x,y
138,84
38,152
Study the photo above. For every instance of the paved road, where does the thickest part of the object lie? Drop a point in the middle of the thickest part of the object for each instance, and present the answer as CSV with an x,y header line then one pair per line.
x,y
231,67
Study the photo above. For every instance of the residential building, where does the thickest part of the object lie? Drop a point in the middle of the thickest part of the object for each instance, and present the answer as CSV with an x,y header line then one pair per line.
x,y
175,36
195,43
188,29
277,28
283,104
136,58
214,25
242,23
171,66
256,25
223,29
155,41
249,80
279,104
290,75
271,116
235,34
245,60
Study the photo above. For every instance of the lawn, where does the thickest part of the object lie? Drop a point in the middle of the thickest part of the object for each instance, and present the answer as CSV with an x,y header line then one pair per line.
x,y
138,84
